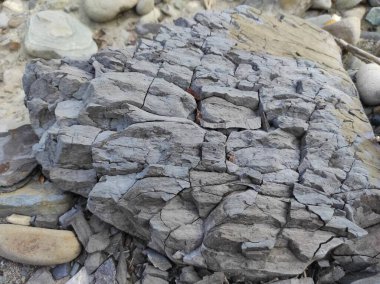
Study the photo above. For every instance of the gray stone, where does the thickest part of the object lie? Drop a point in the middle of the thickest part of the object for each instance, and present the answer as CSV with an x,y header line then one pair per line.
x,y
106,273
61,271
347,29
373,16
42,275
217,278
77,181
35,199
158,260
76,219
17,163
55,34
100,11
346,4
98,242
367,84
93,261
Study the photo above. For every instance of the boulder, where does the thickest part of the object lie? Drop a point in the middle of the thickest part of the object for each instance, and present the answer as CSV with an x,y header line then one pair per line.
x,y
249,163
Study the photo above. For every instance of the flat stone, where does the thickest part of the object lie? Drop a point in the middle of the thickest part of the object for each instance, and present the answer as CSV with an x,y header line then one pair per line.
x,y
35,199
81,277
36,246
19,219
42,275
373,16
158,260
347,29
55,34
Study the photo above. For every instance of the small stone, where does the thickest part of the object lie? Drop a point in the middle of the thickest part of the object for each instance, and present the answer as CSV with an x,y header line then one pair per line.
x,y
106,273
93,261
81,277
216,278
144,7
76,219
151,18
158,260
347,29
321,4
189,275
373,16
41,276
374,3
98,242
55,34
103,11
346,4
19,219
37,246
368,84
61,271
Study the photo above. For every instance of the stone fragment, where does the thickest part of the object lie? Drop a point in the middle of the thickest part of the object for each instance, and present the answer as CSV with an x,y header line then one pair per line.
x,y
17,163
77,181
81,277
158,260
345,228
346,4
217,278
42,275
55,34
106,273
36,246
100,11
19,219
93,261
76,219
347,29
217,113
61,271
98,242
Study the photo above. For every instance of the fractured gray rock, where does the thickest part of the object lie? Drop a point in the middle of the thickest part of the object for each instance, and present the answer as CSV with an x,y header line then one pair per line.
x,y
215,152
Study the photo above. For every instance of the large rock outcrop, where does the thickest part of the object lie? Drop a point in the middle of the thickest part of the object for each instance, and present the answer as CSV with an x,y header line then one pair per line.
x,y
235,142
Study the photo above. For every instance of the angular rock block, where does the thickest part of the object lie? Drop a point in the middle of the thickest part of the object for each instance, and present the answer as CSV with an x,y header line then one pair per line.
x,y
232,144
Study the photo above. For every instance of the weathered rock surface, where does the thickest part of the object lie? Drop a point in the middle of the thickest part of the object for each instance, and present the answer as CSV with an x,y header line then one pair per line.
x,y
37,246
35,199
251,162
55,34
